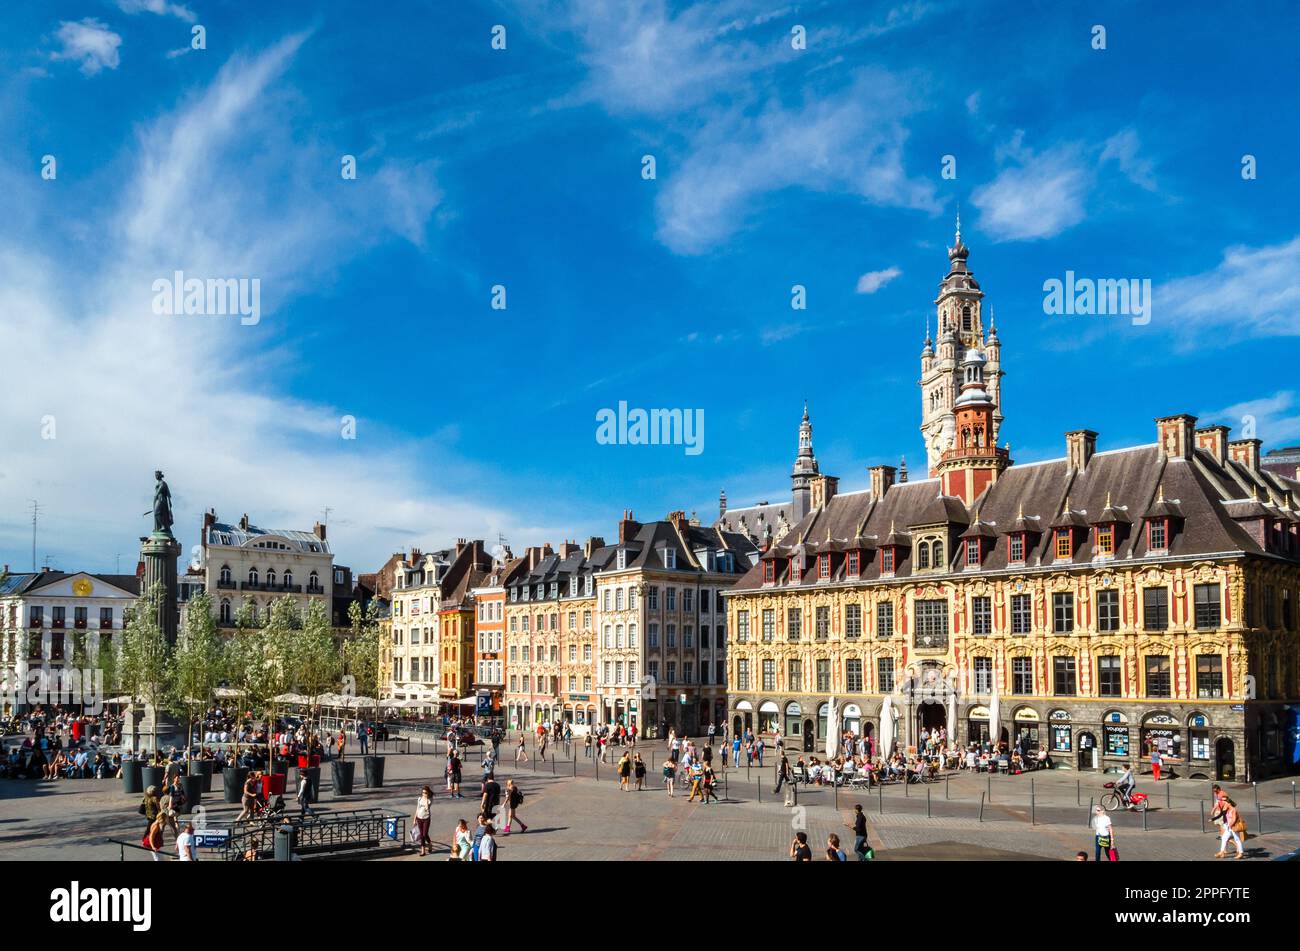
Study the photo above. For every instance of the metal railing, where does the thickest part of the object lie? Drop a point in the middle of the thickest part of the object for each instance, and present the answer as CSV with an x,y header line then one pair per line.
x,y
359,830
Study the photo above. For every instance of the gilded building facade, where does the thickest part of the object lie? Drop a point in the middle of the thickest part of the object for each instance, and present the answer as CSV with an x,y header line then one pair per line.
x,y
1102,604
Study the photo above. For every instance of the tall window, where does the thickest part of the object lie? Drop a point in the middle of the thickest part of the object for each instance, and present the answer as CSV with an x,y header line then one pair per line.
x,y
981,615
983,674
887,561
742,673
853,620
1110,677
853,564
1063,612
794,676
1105,539
252,577
932,623
885,619
1022,675
853,675
1063,676
823,675
1155,609
742,627
822,623
1158,675
973,552
1016,548
1158,535
793,624
1108,610
1021,614
885,674
923,555
769,674
1064,548
824,567
1208,611
769,625
1209,676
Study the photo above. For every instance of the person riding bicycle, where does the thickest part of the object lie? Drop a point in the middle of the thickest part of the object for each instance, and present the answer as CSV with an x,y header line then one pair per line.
x,y
1126,785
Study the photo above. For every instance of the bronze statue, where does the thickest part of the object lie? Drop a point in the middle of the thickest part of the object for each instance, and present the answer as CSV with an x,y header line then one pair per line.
x,y
162,506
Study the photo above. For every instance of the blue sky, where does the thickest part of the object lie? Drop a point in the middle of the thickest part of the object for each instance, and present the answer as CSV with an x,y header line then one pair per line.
x,y
522,167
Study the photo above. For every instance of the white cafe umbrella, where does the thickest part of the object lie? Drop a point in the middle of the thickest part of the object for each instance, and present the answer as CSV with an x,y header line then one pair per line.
x,y
994,732
886,727
952,716
832,730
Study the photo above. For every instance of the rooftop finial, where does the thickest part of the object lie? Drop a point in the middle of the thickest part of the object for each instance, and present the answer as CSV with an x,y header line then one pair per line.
x,y
959,222
1160,493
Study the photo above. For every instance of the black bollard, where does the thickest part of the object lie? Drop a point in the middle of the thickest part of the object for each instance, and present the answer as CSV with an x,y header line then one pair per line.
x,y
1033,808
981,807
1169,802
1259,819
1089,820
880,794
1202,817
927,803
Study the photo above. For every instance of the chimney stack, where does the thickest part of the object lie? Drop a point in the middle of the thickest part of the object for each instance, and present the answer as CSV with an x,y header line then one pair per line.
x,y
1214,440
319,531
243,522
1175,435
209,519
1245,452
1080,445
627,528
594,542
882,477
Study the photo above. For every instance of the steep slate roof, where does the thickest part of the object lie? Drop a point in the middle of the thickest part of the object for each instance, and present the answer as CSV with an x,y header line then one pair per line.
x,y
1201,495
221,533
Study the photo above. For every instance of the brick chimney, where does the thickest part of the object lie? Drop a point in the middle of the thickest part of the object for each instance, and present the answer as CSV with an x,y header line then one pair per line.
x,y
243,521
1246,452
319,531
1080,445
627,527
566,549
209,519
1175,435
1214,440
882,477
594,542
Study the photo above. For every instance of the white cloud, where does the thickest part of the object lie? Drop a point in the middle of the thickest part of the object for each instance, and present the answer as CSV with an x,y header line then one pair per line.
x,y
851,142
1251,292
1276,418
160,7
1122,148
218,191
1038,197
90,42
873,281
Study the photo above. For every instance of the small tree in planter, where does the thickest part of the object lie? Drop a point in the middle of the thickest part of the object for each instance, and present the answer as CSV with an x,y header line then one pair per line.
x,y
198,662
242,662
314,657
276,642
145,656
361,652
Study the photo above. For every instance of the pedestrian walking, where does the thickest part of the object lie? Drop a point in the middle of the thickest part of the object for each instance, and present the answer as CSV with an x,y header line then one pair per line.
x,y
461,843
670,775
1103,831
624,772
186,851
153,837
833,851
491,797
638,772
363,737
521,754
1231,826
422,816
782,774
863,850
304,795
1156,763
710,785
514,799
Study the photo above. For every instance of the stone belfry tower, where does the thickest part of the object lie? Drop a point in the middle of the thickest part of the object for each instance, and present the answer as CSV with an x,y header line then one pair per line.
x,y
959,327
805,469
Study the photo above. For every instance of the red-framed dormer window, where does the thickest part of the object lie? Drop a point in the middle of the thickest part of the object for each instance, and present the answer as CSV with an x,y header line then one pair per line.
x,y
854,564
1106,539
1064,543
769,571
972,552
887,560
1158,534
823,567
796,569
1016,547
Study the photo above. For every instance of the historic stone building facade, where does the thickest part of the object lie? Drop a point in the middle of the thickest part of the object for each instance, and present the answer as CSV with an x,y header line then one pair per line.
x,y
1099,604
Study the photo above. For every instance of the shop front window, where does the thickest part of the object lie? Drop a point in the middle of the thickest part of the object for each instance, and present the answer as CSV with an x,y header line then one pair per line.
x,y
1061,737
1116,740
1168,742
1200,745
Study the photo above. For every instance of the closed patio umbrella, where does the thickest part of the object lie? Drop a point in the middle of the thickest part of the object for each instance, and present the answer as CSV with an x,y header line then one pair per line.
x,y
995,733
886,727
832,730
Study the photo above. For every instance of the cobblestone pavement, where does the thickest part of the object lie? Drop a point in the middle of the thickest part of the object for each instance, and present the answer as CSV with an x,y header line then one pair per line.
x,y
573,815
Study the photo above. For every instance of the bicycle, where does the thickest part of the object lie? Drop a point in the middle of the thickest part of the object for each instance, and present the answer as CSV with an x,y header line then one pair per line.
x,y
1135,801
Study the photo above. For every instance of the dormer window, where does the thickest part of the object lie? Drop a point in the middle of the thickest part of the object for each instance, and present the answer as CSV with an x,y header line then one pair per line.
x,y
1106,540
670,558
972,552
887,561
923,555
769,571
1064,543
1016,548
1158,534
853,564
823,567
796,569
622,558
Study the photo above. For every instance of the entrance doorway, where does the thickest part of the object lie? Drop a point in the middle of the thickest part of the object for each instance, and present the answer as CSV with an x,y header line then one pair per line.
x,y
1225,763
931,717
1088,758
809,736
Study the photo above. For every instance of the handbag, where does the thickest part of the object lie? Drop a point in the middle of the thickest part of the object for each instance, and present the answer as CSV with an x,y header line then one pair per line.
x,y
1239,827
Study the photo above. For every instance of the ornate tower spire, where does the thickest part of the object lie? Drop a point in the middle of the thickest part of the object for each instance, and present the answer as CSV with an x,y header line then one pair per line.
x,y
805,468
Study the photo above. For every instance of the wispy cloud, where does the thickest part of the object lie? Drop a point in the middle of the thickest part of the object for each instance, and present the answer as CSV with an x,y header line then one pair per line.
x,y
160,7
873,281
1039,196
1275,419
88,42
1123,148
1253,291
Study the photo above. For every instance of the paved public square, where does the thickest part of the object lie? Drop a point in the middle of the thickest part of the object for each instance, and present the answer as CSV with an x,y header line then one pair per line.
x,y
574,815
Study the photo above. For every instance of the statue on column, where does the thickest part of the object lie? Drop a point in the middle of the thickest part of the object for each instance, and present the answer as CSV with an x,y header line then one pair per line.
x,y
162,506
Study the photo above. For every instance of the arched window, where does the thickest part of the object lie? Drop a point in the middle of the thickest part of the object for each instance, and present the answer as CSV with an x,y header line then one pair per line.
x,y
225,574
224,612
288,577
252,576
965,319
270,577
937,554
313,580
923,555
